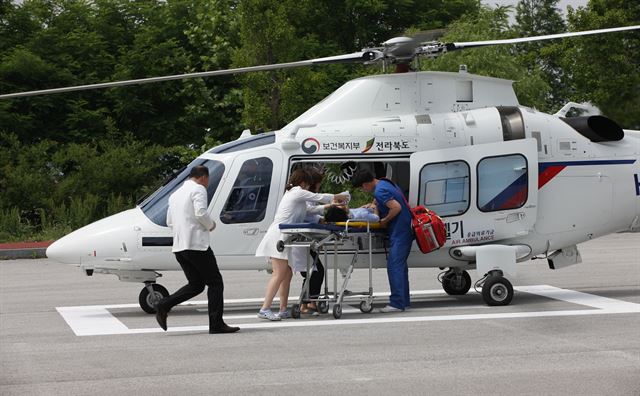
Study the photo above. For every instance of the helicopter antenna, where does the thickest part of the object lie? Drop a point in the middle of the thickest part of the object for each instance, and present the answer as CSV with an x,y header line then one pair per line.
x,y
398,50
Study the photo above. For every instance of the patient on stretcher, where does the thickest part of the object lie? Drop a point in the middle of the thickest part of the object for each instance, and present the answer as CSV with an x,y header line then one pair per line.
x,y
338,213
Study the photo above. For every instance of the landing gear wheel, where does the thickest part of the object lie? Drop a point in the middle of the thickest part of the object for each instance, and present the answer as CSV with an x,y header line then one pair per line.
x,y
295,311
337,311
323,307
497,290
366,306
456,284
148,300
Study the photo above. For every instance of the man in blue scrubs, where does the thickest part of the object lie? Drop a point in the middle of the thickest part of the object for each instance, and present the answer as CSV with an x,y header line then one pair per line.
x,y
396,216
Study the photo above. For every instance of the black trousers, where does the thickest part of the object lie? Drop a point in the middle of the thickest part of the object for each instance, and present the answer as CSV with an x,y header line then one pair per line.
x,y
201,268
317,277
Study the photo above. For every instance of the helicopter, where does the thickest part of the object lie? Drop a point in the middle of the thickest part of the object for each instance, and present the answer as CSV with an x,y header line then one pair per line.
x,y
511,183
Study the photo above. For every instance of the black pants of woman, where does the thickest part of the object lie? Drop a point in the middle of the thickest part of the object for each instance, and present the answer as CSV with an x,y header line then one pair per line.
x,y
317,277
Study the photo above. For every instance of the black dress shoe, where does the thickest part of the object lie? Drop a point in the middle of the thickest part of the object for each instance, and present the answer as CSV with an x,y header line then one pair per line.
x,y
223,329
161,317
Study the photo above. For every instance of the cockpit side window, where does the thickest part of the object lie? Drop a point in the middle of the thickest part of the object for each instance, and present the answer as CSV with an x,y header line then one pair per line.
x,y
155,207
247,202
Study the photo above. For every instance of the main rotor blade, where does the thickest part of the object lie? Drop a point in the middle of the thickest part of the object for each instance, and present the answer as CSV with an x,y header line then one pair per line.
x,y
364,56
471,44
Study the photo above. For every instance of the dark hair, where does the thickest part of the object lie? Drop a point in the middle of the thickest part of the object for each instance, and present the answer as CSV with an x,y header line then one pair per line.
x,y
199,171
316,177
335,214
298,177
360,177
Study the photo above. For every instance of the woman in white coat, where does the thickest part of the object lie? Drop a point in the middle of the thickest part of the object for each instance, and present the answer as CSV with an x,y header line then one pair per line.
x,y
292,209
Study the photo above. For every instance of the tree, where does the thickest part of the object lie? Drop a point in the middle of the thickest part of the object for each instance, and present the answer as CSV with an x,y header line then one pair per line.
x,y
75,157
493,61
64,42
538,18
177,38
605,69
70,158
296,30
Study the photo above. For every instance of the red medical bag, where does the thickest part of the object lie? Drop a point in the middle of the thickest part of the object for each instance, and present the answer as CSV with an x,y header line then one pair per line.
x,y
428,228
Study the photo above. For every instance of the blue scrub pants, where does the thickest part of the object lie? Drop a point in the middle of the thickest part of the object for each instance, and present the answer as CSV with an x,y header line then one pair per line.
x,y
398,271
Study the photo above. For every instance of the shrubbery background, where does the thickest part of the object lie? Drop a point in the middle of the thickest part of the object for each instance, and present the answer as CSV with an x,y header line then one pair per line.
x,y
69,159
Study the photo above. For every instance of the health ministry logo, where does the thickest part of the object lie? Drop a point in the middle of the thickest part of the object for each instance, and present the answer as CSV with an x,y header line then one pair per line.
x,y
310,145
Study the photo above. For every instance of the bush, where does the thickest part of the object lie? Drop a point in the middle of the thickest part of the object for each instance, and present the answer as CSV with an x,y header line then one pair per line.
x,y
48,189
12,227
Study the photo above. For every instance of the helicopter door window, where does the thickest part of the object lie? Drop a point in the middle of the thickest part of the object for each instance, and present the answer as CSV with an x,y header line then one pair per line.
x,y
444,187
247,201
502,183
155,207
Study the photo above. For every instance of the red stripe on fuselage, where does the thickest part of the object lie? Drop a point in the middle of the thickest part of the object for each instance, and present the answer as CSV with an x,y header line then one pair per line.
x,y
517,200
548,174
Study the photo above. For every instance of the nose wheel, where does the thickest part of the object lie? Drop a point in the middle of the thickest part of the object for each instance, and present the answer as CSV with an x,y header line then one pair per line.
x,y
150,295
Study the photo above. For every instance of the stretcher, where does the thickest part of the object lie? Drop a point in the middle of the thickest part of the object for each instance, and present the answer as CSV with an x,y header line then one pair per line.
x,y
321,238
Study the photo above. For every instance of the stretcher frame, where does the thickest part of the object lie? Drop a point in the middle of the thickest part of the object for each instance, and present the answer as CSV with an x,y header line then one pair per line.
x,y
320,237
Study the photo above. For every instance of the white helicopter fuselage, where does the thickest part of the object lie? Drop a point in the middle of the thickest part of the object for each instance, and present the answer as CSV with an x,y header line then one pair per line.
x,y
498,173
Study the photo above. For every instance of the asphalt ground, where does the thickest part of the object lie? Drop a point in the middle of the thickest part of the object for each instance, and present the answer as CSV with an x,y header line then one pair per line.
x,y
63,333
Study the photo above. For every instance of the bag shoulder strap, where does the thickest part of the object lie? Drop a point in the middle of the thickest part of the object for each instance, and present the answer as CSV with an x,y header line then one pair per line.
x,y
401,193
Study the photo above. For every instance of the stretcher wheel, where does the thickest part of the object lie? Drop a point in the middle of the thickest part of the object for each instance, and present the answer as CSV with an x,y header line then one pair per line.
x,y
280,246
295,311
323,307
366,306
337,311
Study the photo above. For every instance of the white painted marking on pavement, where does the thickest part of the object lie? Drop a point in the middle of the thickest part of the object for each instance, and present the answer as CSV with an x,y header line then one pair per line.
x,y
576,297
92,320
97,320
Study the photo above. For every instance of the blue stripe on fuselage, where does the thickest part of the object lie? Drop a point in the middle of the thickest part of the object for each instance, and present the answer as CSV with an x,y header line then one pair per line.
x,y
544,165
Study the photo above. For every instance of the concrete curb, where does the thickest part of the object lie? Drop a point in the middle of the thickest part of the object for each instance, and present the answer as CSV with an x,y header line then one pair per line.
x,y
13,254
24,250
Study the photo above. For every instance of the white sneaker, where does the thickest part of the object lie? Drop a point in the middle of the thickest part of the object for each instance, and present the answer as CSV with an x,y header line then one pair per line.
x,y
284,315
389,308
269,315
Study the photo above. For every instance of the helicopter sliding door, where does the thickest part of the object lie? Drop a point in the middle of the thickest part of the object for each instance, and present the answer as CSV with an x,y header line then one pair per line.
x,y
484,193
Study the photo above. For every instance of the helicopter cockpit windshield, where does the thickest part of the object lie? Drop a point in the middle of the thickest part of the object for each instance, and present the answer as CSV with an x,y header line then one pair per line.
x,y
155,207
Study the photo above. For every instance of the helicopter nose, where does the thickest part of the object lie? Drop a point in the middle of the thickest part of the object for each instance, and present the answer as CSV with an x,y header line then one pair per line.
x,y
64,250
101,240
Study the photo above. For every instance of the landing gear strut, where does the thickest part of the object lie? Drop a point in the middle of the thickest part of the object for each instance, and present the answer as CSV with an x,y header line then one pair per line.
x,y
150,295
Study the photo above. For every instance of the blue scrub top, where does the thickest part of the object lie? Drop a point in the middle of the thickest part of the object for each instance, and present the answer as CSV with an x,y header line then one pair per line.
x,y
400,226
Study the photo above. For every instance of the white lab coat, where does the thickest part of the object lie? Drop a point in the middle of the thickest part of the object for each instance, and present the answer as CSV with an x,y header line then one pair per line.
x,y
292,209
187,216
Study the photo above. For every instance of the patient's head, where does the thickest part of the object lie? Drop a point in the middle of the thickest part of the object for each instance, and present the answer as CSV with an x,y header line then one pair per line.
x,y
336,214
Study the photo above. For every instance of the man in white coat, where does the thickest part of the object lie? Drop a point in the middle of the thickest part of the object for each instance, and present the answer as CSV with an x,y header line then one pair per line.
x,y
191,224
